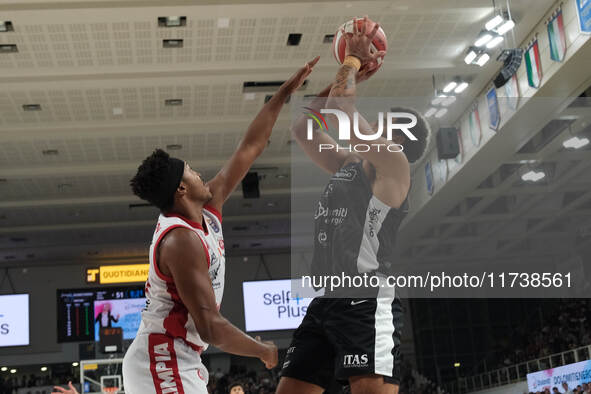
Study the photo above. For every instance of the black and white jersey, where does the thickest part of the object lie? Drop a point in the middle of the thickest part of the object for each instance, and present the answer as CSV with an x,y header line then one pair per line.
x,y
355,232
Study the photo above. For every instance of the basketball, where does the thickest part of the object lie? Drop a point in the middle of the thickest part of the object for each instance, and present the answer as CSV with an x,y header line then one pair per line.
x,y
379,43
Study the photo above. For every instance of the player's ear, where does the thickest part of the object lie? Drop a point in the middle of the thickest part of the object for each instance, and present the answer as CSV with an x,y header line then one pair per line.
x,y
182,189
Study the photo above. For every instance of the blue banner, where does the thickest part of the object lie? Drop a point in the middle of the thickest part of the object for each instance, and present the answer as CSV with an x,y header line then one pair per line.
x,y
584,13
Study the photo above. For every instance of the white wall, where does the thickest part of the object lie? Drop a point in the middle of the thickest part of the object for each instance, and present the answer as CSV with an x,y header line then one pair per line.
x,y
516,388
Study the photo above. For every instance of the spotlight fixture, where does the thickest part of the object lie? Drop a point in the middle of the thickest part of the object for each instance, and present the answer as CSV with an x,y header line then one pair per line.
x,y
505,27
482,59
441,113
469,59
448,101
575,142
43,369
495,42
430,112
4,369
494,22
533,176
450,86
461,87
75,364
438,99
476,56
6,26
483,38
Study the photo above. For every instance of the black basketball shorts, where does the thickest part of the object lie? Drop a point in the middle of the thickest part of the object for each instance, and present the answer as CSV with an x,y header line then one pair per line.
x,y
344,337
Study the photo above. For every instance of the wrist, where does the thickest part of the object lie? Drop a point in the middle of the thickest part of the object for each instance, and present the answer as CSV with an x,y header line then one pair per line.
x,y
352,61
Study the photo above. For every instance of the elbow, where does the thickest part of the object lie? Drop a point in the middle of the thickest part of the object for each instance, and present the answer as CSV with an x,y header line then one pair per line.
x,y
210,329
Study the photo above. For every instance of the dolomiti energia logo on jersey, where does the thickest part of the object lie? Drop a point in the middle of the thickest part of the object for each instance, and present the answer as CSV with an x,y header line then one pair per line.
x,y
403,121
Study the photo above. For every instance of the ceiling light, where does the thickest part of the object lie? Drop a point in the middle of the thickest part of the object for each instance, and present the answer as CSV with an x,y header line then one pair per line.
x,y
8,48
449,101
75,364
43,369
575,143
470,57
4,369
450,86
172,43
31,107
461,87
172,21
482,59
456,365
505,27
439,99
494,42
6,26
173,102
174,147
13,371
483,38
430,112
441,113
280,176
494,22
533,176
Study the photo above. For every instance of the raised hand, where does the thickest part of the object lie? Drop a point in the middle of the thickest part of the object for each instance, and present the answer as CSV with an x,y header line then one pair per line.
x,y
61,390
297,79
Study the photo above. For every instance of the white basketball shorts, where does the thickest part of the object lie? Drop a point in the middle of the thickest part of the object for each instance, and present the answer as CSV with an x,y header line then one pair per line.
x,y
159,364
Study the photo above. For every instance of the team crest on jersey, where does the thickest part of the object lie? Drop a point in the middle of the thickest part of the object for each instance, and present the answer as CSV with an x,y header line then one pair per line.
x,y
213,225
221,243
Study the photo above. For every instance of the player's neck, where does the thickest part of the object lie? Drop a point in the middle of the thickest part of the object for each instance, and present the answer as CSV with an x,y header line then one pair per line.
x,y
192,211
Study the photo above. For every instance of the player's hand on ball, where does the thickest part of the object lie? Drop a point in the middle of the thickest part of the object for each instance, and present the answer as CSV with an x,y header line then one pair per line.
x,y
297,79
70,390
269,356
366,72
358,43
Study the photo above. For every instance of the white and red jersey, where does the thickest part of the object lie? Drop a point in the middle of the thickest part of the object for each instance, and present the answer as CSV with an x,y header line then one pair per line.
x,y
165,312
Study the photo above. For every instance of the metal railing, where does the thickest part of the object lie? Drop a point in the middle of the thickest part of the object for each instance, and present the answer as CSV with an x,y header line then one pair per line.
x,y
518,372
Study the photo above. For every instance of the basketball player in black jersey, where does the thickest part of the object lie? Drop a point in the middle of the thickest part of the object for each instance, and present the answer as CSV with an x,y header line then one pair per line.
x,y
353,335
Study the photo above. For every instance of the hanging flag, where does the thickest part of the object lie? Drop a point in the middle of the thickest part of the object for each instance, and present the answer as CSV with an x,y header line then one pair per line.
x,y
459,157
557,37
494,119
584,14
429,178
534,65
512,93
475,130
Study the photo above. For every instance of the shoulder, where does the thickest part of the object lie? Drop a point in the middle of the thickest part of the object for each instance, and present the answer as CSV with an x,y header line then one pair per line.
x,y
181,240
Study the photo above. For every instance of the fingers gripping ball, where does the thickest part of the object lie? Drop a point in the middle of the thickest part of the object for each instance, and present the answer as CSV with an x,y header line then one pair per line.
x,y
379,42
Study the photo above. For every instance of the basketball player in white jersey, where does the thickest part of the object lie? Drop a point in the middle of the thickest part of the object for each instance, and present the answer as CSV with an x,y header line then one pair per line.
x,y
187,263
353,335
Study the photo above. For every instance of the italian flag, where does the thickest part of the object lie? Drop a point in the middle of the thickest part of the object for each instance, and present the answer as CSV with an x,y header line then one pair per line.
x,y
557,38
534,67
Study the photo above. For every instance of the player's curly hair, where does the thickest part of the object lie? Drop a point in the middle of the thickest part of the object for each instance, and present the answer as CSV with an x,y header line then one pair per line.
x,y
151,176
415,150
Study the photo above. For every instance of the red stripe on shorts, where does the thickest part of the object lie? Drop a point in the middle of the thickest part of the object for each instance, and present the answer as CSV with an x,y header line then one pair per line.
x,y
163,365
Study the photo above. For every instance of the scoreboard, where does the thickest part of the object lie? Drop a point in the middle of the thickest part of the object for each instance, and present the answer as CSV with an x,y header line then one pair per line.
x,y
77,310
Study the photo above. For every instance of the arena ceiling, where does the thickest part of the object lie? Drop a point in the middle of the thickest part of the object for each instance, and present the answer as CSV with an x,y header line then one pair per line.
x,y
101,75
